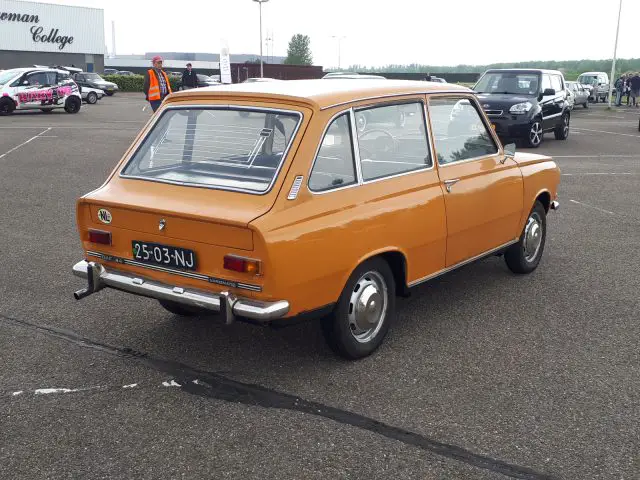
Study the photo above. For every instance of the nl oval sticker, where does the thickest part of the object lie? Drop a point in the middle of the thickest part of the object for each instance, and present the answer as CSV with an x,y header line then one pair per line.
x,y
104,216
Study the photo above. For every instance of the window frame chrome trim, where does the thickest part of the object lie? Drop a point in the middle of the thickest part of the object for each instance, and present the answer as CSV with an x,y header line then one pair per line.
x,y
315,157
152,125
389,95
494,136
462,263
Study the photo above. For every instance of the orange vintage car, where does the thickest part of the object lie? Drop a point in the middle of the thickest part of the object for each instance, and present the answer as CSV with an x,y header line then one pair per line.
x,y
278,201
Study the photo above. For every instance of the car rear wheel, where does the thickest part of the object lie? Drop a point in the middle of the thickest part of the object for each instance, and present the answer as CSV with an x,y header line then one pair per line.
x,y
561,131
536,134
524,256
364,312
92,98
72,105
6,106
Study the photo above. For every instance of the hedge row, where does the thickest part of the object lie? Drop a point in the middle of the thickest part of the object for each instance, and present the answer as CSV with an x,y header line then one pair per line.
x,y
135,83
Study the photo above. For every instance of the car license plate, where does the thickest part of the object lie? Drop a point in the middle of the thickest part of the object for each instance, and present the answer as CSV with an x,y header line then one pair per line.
x,y
164,255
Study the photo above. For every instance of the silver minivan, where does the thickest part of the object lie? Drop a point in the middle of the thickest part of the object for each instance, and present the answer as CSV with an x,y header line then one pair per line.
x,y
598,83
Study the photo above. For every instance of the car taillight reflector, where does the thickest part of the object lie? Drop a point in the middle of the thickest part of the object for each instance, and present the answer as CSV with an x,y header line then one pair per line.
x,y
100,236
242,265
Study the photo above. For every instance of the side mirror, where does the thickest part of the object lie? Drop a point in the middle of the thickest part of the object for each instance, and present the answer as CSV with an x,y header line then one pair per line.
x,y
509,152
548,92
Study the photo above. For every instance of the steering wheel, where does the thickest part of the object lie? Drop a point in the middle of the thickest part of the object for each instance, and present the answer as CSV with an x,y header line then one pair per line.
x,y
386,143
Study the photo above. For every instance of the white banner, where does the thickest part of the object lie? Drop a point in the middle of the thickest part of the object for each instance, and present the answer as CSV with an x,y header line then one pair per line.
x,y
45,27
225,64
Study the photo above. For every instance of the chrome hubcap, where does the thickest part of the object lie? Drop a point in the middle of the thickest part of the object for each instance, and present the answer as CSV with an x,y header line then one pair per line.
x,y
532,237
536,133
368,306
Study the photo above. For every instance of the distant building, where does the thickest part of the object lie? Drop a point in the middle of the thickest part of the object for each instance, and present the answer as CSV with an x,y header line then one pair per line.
x,y
206,63
47,34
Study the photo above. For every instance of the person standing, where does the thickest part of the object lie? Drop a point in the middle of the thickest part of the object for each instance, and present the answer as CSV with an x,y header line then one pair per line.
x,y
189,78
156,84
619,90
635,88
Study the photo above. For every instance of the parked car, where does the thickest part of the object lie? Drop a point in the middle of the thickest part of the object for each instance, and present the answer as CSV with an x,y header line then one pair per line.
x,y
579,92
110,71
91,95
525,103
125,73
203,81
598,83
33,88
261,79
438,80
93,80
303,217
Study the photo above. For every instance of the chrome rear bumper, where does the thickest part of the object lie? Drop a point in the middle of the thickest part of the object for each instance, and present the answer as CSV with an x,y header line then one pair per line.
x,y
99,277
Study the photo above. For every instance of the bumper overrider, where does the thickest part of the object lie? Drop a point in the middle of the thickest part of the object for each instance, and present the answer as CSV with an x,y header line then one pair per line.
x,y
227,304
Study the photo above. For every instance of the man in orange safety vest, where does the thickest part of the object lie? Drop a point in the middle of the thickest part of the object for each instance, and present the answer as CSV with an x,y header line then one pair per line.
x,y
156,84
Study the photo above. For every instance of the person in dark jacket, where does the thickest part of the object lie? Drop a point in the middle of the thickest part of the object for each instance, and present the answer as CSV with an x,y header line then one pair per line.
x,y
635,88
156,84
189,78
619,90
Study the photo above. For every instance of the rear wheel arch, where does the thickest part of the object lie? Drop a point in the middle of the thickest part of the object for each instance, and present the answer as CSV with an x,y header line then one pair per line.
x,y
397,261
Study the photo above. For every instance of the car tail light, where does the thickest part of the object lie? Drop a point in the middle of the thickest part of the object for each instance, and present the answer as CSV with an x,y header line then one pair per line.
x,y
100,236
241,264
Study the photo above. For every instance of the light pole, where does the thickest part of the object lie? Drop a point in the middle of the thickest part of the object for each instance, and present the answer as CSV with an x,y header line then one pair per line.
x,y
339,37
260,2
615,51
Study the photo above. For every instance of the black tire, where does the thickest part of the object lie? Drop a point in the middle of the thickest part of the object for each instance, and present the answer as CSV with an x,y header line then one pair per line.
x,y
561,131
586,104
72,105
519,257
6,106
92,98
110,94
372,283
178,309
532,140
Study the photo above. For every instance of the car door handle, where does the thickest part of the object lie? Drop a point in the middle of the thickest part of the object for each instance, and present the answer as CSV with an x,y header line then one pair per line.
x,y
450,183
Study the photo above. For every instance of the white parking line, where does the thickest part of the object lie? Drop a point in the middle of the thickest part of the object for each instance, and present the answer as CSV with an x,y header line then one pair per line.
x,y
591,206
24,143
610,133
596,156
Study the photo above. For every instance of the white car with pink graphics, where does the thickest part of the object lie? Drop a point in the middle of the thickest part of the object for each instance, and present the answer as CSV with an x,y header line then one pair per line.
x,y
38,89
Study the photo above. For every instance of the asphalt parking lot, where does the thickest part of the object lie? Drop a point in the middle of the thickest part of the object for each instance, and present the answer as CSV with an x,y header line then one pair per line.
x,y
484,375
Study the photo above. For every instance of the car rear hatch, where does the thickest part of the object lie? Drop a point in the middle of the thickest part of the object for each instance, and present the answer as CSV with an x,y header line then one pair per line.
x,y
184,201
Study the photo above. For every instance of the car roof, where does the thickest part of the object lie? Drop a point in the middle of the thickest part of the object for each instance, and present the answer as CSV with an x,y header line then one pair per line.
x,y
524,70
319,93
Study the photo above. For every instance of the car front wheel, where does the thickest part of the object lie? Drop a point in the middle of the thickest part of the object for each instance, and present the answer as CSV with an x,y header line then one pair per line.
x,y
524,256
72,105
536,134
561,131
364,312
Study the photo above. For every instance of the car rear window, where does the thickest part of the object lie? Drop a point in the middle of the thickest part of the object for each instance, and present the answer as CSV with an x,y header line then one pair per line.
x,y
226,148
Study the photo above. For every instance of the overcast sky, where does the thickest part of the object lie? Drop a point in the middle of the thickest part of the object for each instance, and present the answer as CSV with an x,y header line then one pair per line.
x,y
391,31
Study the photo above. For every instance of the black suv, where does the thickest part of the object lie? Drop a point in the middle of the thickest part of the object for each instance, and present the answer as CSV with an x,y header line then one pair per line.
x,y
525,103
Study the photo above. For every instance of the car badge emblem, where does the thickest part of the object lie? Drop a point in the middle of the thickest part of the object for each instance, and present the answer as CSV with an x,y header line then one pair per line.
x,y
104,216
162,224
486,105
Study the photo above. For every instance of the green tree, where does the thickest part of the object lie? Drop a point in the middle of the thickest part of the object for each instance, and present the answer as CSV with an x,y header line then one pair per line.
x,y
299,51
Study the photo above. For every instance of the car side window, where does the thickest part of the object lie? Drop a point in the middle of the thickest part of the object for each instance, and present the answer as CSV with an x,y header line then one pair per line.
x,y
556,83
38,79
458,130
393,140
546,82
334,166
